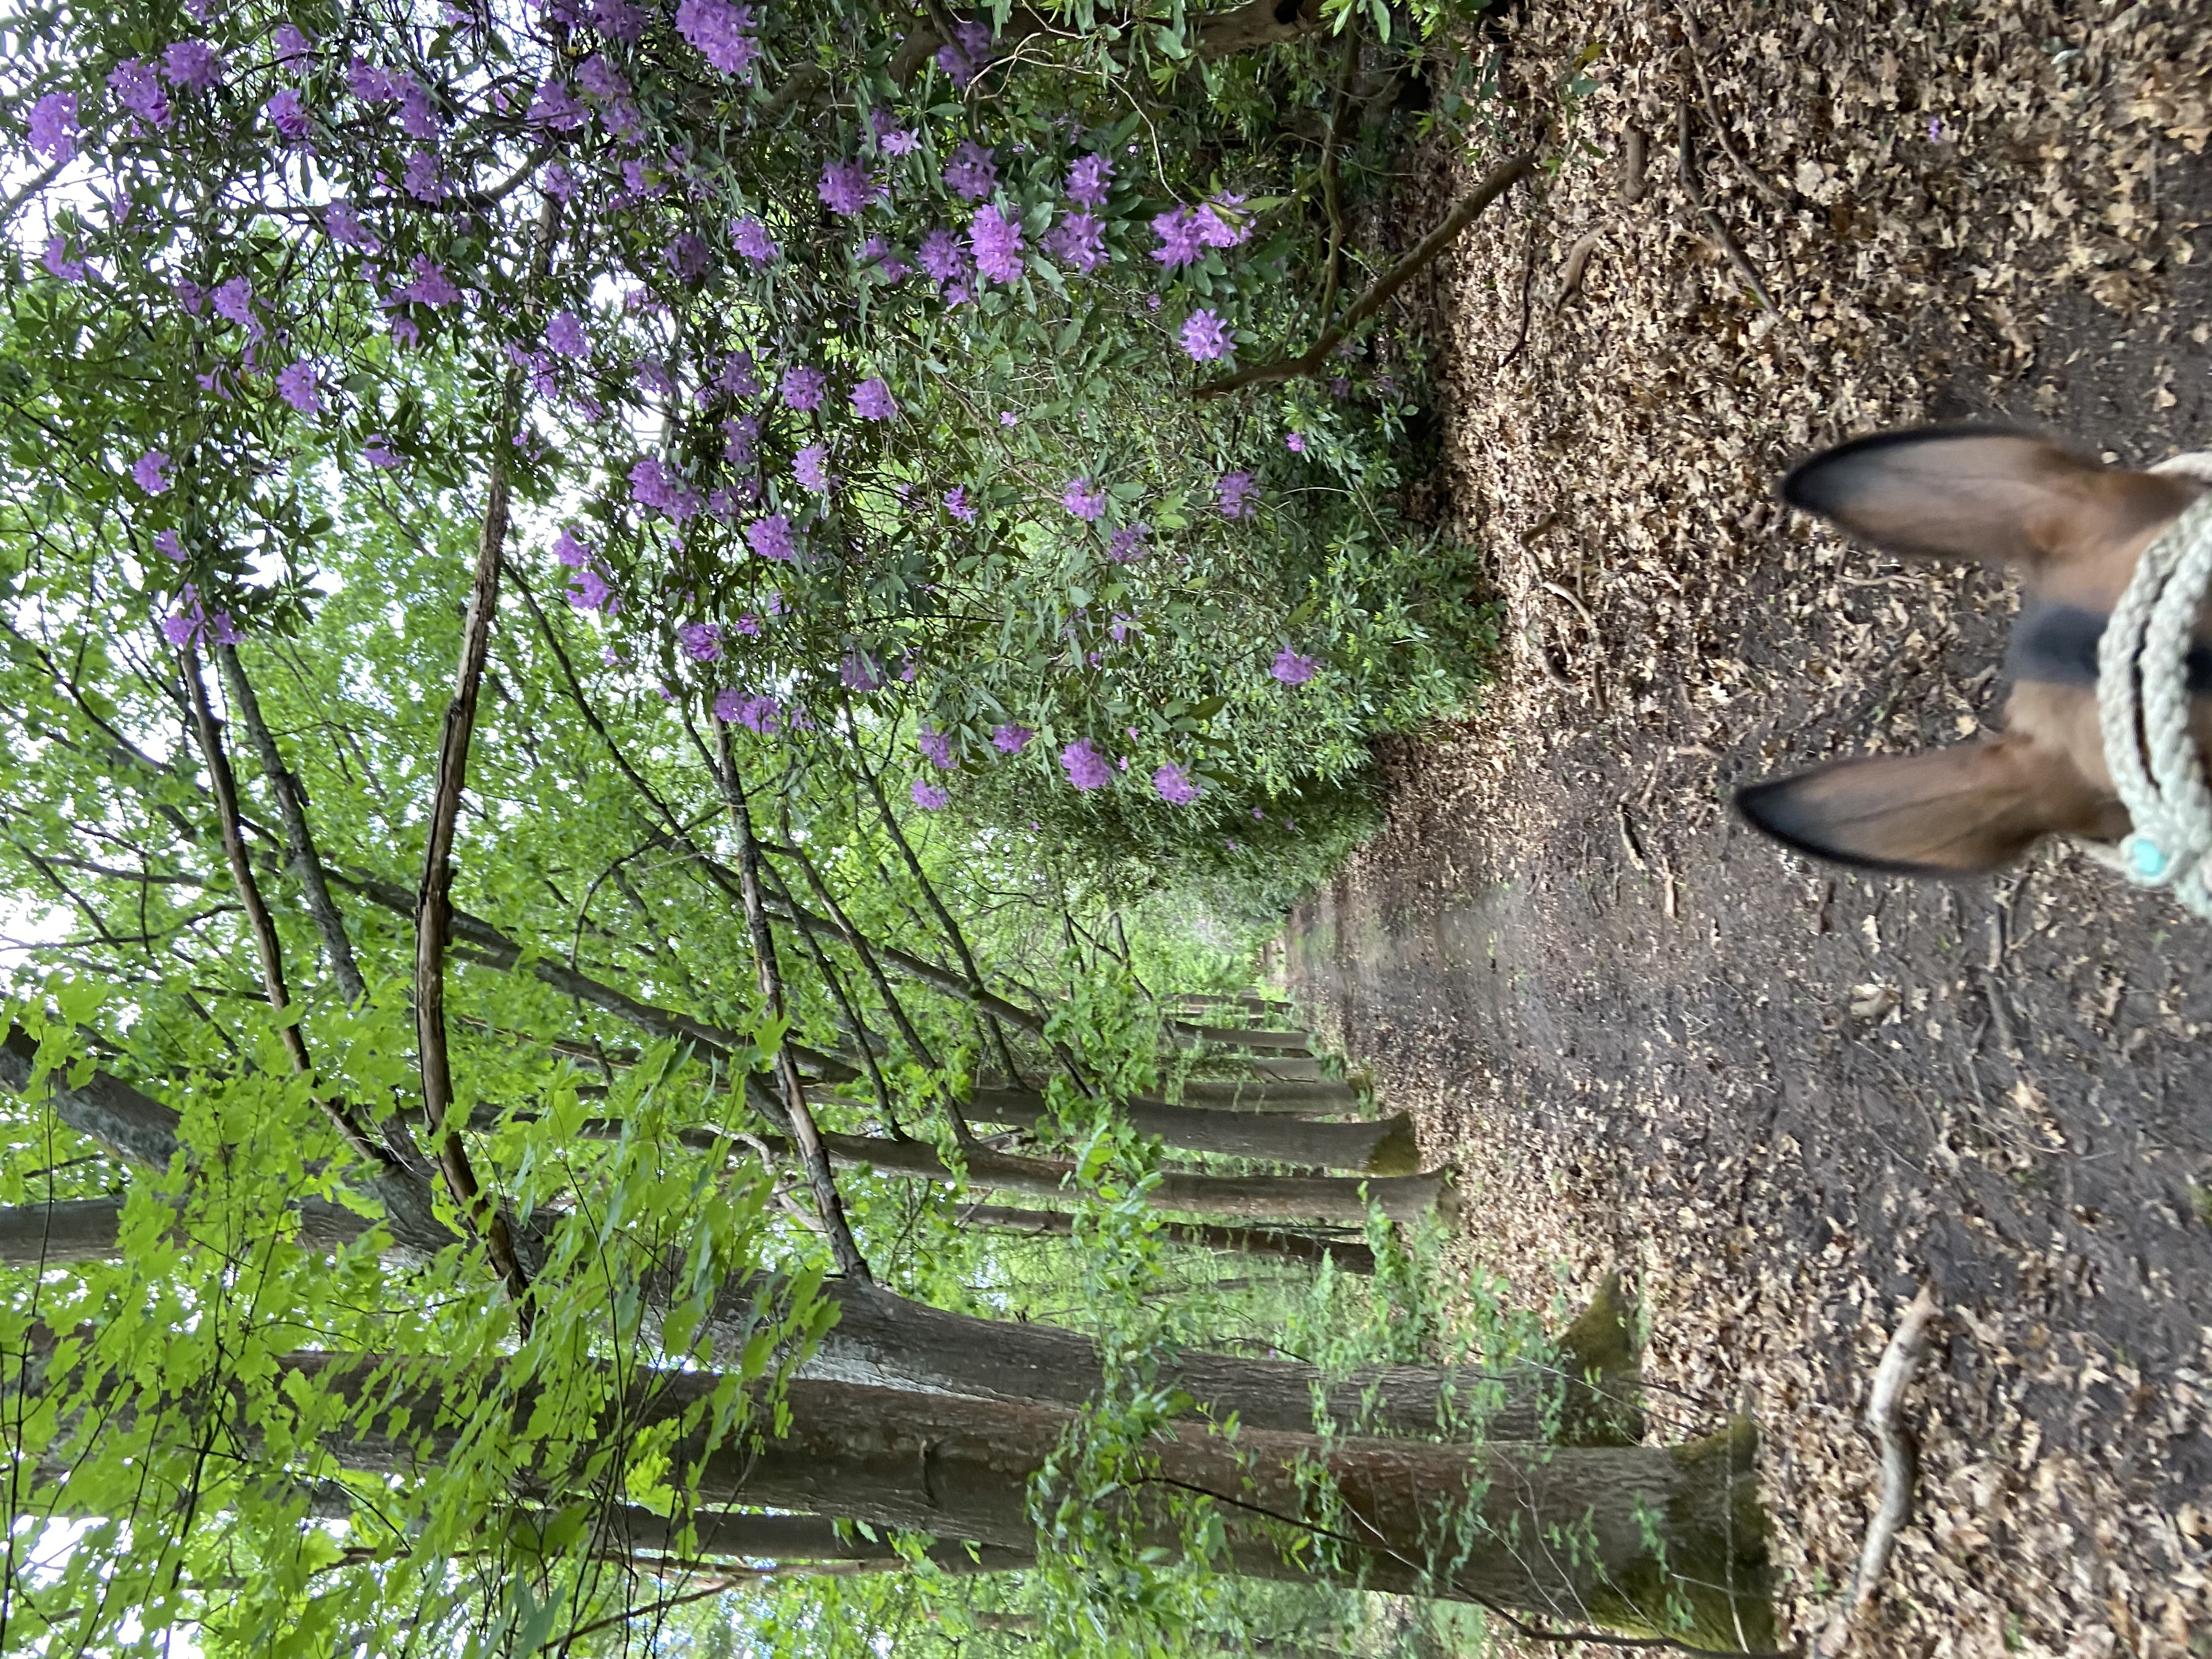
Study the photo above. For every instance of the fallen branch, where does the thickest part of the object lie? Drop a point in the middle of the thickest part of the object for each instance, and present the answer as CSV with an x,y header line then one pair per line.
x,y
1502,178
1899,1461
1736,254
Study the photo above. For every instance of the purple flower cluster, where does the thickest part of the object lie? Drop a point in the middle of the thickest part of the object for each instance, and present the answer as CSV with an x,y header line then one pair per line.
x,y
553,106
928,797
860,671
192,65
431,286
720,30
619,19
1177,230
565,334
1085,767
1127,545
146,473
1204,337
1292,669
139,89
803,388
750,237
846,188
810,466
944,257
53,130
1079,241
770,538
1086,180
736,376
652,485
295,385
344,226
997,240
1084,500
418,116
372,83
967,54
57,260
1237,492
1173,785
421,178
700,642
1011,739
758,713
871,399
937,747
973,171
957,503
170,546
191,621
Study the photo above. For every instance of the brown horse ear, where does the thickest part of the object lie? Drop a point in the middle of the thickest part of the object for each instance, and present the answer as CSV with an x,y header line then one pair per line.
x,y
1986,494
1952,812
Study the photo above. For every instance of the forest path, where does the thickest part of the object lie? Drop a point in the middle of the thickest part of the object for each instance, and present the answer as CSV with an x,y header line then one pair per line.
x,y
1781,1097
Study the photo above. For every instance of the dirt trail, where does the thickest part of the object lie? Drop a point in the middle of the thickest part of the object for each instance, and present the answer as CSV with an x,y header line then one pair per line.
x,y
1784,1097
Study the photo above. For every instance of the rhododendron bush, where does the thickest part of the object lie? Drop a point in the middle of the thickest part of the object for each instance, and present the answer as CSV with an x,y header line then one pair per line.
x,y
835,366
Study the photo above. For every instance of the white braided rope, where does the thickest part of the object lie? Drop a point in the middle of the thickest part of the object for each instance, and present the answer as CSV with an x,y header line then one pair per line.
x,y
2142,704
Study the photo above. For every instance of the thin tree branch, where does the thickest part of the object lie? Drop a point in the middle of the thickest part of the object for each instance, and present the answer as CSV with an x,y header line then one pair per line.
x,y
808,1137
1502,178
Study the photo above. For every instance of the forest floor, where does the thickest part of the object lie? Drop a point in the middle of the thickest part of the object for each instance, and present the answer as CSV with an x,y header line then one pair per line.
x,y
1780,1097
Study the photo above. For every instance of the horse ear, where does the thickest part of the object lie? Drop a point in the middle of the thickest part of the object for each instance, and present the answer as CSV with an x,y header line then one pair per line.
x,y
1986,494
1953,811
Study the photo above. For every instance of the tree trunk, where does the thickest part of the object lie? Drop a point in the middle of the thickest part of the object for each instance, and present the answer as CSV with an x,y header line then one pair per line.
x,y
1384,1147
1261,1094
1244,1036
1645,1540
1251,1197
1350,1255
1587,1395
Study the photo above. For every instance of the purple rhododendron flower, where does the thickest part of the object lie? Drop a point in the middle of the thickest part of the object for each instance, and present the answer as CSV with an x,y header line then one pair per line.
x,y
996,240
619,20
554,106
191,621
1221,224
1085,767
739,438
1011,739
943,257
771,537
601,79
1086,180
845,187
1085,501
431,286
810,466
372,83
344,225
138,90
590,590
558,182
928,797
570,550
146,473
295,385
968,53
700,642
1080,239
871,399
377,453
192,64
1205,336
938,747
1180,244
1236,492
53,129
1174,786
565,334
973,171
418,116
292,44
750,237
1295,443
689,257
192,298
1127,545
405,330
233,302
736,376
718,31
652,485
1292,669
860,671
56,259
803,388
956,503
421,178
170,546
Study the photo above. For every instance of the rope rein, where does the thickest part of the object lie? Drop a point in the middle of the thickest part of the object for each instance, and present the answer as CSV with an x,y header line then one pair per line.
x,y
2143,705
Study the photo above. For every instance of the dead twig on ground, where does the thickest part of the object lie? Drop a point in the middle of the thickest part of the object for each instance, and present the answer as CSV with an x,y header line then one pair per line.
x,y
1697,195
1713,112
1900,1460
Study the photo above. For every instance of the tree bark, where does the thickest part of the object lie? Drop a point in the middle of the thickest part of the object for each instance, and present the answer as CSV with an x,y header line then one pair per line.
x,y
1293,1099
1383,1146
1647,1540
1244,1036
1350,1255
